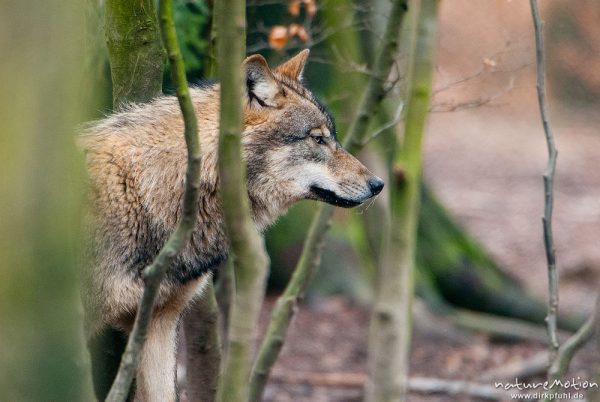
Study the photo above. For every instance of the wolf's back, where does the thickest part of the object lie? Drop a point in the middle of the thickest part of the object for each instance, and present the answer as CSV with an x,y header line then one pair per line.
x,y
136,163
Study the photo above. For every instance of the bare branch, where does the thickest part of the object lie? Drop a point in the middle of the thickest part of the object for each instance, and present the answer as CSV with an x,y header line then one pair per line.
x,y
154,273
474,103
397,118
567,350
548,182
477,74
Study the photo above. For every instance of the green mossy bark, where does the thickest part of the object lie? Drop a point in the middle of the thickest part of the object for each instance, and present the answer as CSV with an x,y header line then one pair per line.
x,y
135,51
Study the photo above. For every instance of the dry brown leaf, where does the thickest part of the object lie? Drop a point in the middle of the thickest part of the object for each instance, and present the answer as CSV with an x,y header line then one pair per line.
x,y
303,35
293,29
278,37
311,7
294,7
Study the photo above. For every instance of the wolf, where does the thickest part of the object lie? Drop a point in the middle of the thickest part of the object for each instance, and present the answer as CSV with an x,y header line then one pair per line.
x,y
136,162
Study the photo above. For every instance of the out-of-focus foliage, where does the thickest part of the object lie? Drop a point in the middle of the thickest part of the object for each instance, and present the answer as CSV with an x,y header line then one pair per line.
x,y
192,19
41,189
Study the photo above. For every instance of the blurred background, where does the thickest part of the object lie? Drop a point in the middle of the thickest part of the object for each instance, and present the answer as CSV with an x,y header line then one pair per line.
x,y
480,234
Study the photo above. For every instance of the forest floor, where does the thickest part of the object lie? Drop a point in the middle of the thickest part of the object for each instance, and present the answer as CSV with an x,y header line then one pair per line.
x,y
487,171
325,357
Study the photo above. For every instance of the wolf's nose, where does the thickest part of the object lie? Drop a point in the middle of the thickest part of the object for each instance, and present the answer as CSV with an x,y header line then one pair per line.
x,y
376,185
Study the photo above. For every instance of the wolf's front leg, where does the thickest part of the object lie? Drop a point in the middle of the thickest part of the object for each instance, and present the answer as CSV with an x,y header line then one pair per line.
x,y
157,372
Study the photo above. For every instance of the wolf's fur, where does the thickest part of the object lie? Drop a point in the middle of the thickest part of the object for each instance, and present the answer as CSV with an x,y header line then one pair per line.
x,y
137,160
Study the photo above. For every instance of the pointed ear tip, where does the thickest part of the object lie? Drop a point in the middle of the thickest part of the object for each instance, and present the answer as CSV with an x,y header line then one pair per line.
x,y
255,58
302,55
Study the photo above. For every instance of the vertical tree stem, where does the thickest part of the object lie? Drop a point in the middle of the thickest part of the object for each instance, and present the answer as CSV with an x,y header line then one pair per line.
x,y
224,290
313,245
212,58
247,247
202,346
154,273
391,321
135,51
548,181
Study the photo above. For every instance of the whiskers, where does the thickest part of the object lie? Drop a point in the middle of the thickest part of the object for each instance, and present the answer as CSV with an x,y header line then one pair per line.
x,y
365,207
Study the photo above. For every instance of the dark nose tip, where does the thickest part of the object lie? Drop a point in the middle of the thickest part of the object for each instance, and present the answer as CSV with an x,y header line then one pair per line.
x,y
376,185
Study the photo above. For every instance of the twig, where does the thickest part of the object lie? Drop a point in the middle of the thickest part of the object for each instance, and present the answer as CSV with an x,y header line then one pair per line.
x,y
477,74
154,273
471,104
315,240
247,247
567,350
423,385
377,132
548,182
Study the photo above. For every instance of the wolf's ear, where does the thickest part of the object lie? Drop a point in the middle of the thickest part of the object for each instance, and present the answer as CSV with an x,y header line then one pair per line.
x,y
293,67
261,85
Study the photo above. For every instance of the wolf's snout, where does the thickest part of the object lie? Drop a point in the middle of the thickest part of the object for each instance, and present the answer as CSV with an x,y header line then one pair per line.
x,y
376,185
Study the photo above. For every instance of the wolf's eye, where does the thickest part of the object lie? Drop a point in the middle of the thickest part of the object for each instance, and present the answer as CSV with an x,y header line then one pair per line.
x,y
319,139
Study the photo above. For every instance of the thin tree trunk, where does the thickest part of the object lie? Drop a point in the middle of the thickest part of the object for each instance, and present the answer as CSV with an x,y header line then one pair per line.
x,y
202,346
247,246
315,240
153,274
135,51
224,283
224,289
213,57
391,322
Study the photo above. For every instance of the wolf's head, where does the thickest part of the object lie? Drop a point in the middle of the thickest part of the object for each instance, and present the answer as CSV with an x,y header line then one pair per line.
x,y
290,144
